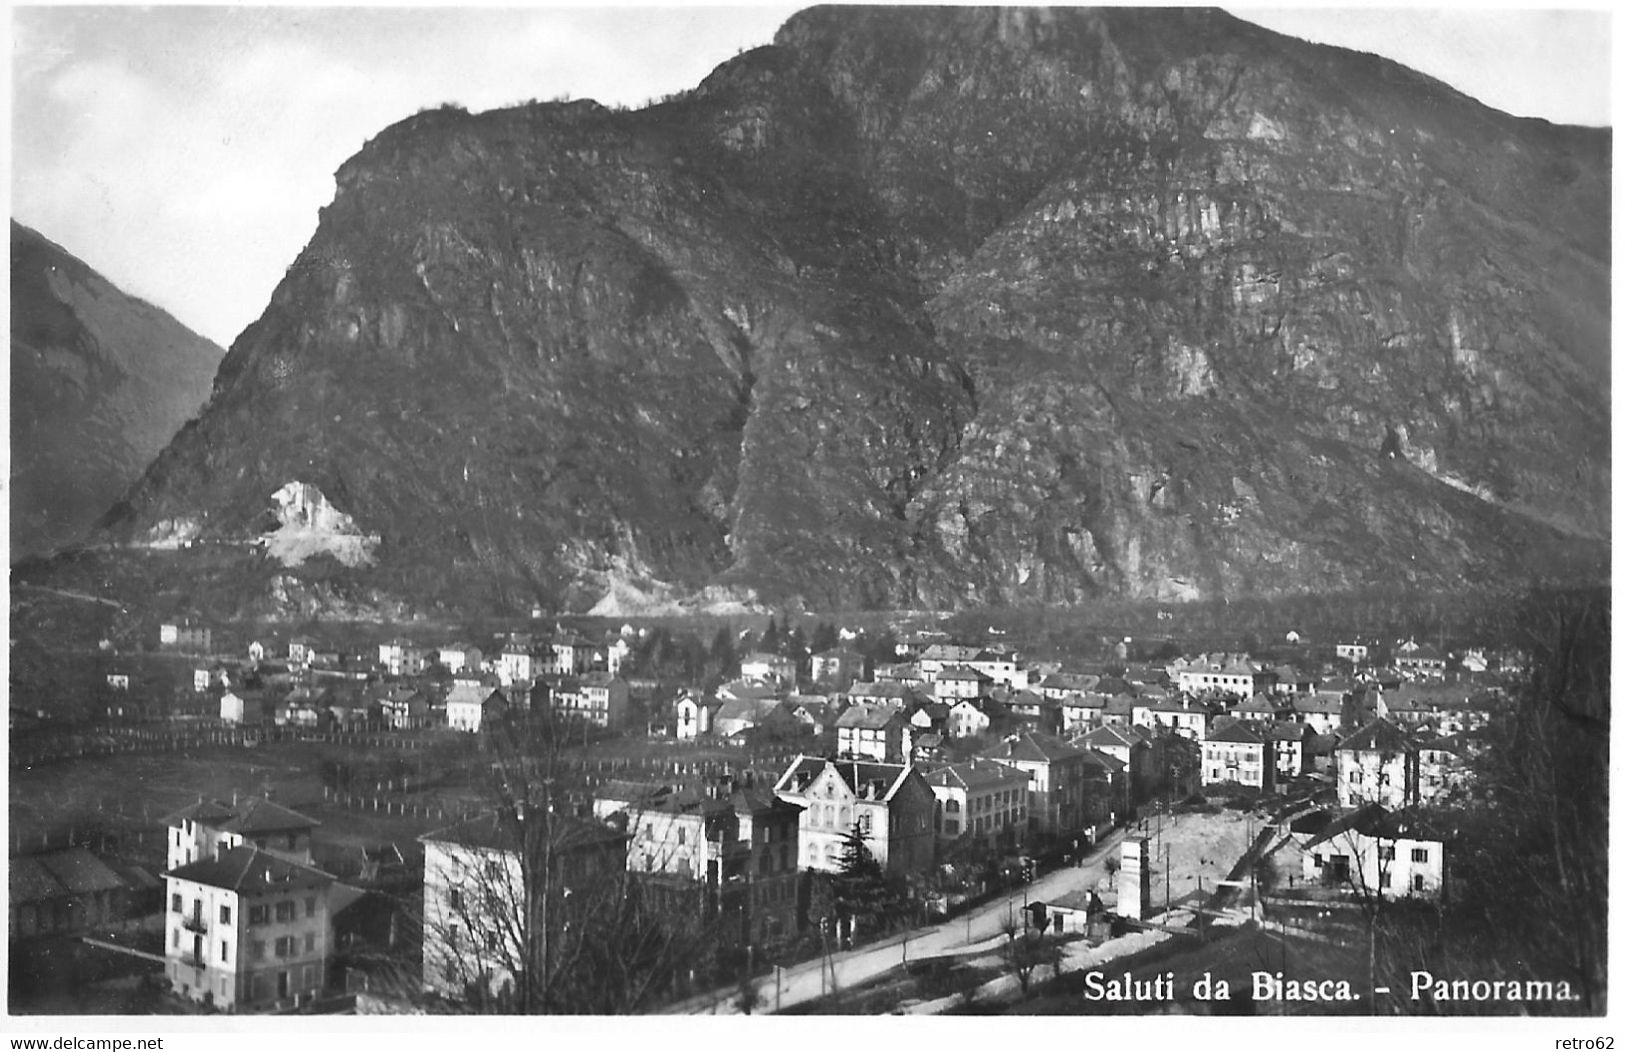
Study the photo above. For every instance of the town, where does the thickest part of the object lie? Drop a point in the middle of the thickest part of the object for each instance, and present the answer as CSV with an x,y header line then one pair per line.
x,y
564,818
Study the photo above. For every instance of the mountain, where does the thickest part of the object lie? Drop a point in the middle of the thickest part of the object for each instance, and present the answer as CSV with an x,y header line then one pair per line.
x,y
929,308
100,382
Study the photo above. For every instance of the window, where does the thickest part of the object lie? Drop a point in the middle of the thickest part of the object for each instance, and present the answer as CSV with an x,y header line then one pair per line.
x,y
493,941
259,950
451,936
1419,854
1320,863
175,903
175,937
952,807
284,946
1418,883
310,905
1385,852
260,914
225,952
454,898
493,868
310,942
951,826
225,914
1387,880
284,911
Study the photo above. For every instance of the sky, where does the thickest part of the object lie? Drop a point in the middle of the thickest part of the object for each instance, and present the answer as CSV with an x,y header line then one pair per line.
x,y
183,152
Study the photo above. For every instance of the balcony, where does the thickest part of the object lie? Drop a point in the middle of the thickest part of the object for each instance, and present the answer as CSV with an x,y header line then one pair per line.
x,y
192,960
195,923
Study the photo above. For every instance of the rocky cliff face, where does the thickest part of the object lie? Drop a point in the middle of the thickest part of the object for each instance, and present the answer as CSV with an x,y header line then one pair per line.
x,y
100,382
936,307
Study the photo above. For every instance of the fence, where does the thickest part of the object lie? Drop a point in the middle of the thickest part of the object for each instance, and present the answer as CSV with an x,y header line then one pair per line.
x,y
382,805
115,740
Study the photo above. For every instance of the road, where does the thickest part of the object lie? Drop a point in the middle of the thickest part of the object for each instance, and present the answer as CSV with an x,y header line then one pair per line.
x,y
810,980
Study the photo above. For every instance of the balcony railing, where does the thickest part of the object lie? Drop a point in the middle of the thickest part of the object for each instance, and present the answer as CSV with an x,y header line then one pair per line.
x,y
192,960
192,922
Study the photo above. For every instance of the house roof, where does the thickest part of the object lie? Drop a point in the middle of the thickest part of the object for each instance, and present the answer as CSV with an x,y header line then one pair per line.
x,y
870,717
957,674
857,774
881,689
1258,703
204,812
1096,758
1374,820
248,870
742,690
1033,747
948,652
750,709
1106,737
1069,681
468,692
259,815
1235,732
1287,731
74,871
1378,736
1119,704
974,775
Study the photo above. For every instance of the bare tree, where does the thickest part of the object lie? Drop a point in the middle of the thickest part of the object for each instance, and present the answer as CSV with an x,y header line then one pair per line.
x,y
529,909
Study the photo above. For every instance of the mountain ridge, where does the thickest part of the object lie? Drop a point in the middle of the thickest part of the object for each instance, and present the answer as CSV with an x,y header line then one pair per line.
x,y
101,380
937,307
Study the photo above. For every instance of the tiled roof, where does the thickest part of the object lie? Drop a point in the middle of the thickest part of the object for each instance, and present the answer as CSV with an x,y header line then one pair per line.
x,y
248,870
1033,747
74,871
1069,681
204,812
1236,732
1379,736
1287,732
1104,737
1096,758
259,815
1373,820
855,773
749,708
974,775
882,689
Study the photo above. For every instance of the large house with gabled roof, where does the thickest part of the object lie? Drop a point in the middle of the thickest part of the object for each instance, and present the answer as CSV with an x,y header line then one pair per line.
x,y
1378,764
889,804
1058,772
980,800
1237,751
209,827
873,732
246,929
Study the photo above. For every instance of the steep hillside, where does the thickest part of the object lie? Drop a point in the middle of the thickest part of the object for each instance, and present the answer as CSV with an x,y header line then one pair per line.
x,y
100,382
932,307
